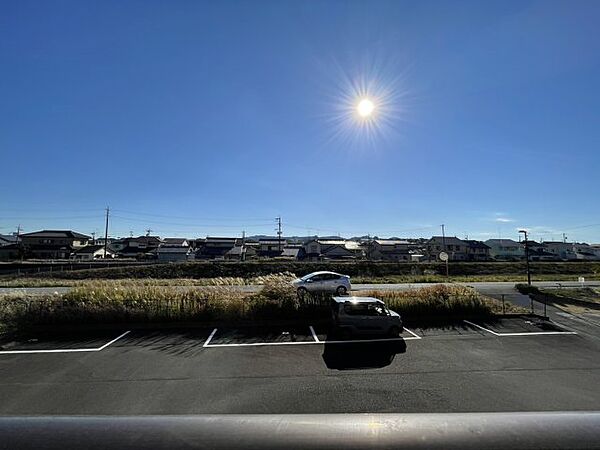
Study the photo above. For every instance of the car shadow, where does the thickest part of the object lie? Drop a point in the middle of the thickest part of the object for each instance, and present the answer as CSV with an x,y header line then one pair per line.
x,y
362,355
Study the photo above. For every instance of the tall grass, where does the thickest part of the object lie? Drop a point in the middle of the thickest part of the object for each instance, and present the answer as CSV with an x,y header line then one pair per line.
x,y
441,303
102,302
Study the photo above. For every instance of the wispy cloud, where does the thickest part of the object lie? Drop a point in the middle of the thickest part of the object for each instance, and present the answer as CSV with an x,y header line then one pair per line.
x,y
503,220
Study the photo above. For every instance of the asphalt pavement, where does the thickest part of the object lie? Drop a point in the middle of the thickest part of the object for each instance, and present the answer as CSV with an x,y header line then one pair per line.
x,y
513,365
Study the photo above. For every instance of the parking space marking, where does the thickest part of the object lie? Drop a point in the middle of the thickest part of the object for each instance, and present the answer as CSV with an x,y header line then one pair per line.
x,y
416,336
64,350
533,333
209,338
316,340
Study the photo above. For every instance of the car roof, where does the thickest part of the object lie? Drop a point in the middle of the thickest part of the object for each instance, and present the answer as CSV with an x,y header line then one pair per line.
x,y
357,300
321,272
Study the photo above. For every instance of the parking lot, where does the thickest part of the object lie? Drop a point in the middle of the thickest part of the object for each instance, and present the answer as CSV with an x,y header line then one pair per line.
x,y
516,364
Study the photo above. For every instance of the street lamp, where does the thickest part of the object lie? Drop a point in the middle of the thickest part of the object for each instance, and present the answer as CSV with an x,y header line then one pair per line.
x,y
527,256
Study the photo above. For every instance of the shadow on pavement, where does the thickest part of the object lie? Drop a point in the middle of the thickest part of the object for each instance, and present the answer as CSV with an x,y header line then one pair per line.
x,y
362,355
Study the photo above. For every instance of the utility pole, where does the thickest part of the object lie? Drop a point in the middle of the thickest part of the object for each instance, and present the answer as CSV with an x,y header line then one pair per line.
x,y
444,247
527,257
278,219
106,231
93,238
564,238
243,249
20,249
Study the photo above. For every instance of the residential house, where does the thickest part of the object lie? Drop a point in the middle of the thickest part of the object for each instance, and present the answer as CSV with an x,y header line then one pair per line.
x,y
295,251
270,247
562,250
174,253
477,251
53,244
457,249
586,252
136,247
215,247
8,239
242,252
538,252
318,249
175,242
505,249
91,252
389,250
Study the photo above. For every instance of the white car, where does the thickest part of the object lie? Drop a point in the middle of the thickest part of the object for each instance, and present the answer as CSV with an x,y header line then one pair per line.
x,y
323,282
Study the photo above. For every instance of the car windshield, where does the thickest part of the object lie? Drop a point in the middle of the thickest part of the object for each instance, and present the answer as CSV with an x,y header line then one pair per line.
x,y
183,182
365,309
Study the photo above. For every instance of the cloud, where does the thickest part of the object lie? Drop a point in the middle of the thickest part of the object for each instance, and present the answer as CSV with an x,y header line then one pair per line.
x,y
503,220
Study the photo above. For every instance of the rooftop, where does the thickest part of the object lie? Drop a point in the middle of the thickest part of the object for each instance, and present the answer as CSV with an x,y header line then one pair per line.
x,y
56,234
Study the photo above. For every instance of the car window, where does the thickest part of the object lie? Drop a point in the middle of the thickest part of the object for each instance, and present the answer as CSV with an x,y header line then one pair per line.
x,y
365,309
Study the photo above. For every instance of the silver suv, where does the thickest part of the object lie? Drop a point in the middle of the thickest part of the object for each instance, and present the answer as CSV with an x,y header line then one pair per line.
x,y
364,315
323,282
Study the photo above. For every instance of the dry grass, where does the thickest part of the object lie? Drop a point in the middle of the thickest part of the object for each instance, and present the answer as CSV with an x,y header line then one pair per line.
x,y
113,302
101,301
441,302
25,282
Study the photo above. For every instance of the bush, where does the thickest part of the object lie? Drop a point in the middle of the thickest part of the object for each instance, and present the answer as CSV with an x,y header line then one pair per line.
x,y
526,289
438,303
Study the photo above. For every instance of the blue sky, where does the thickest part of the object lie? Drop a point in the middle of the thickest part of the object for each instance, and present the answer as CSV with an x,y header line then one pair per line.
x,y
203,118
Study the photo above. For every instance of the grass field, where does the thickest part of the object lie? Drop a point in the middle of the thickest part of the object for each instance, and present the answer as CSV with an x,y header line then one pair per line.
x,y
123,302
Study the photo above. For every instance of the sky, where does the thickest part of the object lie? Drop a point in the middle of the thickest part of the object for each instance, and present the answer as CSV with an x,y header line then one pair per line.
x,y
194,118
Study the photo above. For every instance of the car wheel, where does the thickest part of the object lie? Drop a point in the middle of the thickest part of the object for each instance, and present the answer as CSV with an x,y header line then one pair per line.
x,y
394,332
341,290
302,291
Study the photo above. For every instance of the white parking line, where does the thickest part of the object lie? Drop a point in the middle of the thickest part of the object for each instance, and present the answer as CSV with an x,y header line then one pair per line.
x,y
209,338
312,330
533,333
314,335
65,350
414,334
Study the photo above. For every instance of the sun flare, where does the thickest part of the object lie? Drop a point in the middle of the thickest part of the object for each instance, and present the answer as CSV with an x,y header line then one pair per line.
x,y
365,108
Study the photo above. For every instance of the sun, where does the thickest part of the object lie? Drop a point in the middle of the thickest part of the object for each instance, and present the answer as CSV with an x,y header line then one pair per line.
x,y
365,108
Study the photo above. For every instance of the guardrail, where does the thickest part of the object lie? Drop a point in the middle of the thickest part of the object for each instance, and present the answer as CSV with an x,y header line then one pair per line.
x,y
540,430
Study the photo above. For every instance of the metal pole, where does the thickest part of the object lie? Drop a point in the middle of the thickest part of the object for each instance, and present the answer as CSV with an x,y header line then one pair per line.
x,y
503,308
527,259
106,231
444,247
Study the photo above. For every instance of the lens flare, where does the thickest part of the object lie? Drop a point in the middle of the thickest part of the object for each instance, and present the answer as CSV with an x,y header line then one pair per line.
x,y
366,105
